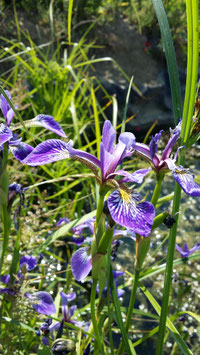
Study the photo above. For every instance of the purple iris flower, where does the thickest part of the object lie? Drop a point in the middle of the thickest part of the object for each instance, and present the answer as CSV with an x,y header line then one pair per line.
x,y
167,163
19,149
185,252
30,262
67,314
124,206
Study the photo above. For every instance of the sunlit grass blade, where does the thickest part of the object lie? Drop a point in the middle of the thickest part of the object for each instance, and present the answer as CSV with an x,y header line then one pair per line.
x,y
127,342
126,106
69,15
97,123
178,338
170,57
192,67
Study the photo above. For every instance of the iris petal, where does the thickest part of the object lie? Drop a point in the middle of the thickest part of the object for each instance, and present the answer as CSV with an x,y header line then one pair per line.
x,y
145,152
47,152
48,122
136,177
81,263
21,150
108,136
29,261
175,134
126,211
153,146
42,302
67,297
186,181
5,134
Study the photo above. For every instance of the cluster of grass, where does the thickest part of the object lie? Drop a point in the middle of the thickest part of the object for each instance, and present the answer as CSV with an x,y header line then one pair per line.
x,y
58,79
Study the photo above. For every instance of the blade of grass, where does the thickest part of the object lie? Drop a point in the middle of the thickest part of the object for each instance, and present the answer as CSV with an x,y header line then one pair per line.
x,y
97,124
126,105
128,344
192,67
170,57
69,22
180,341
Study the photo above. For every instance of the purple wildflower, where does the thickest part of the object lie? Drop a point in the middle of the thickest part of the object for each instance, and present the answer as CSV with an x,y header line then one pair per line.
x,y
185,252
166,163
111,155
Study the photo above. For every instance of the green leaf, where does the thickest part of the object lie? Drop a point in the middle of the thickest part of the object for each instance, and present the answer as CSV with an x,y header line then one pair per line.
x,y
178,338
127,342
170,57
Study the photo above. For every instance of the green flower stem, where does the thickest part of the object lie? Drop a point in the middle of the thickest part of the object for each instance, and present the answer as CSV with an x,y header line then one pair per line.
x,y
157,189
93,316
102,195
169,266
105,241
5,215
130,308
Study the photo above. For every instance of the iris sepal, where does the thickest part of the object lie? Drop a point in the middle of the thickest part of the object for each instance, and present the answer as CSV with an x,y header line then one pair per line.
x,y
127,210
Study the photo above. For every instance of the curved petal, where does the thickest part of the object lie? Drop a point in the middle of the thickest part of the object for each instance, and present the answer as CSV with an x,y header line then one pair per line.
x,y
5,279
136,177
10,115
48,122
172,141
185,252
62,221
5,133
42,302
29,261
71,311
85,157
117,156
145,152
196,247
186,181
106,159
21,150
128,139
47,152
67,297
108,136
81,263
5,105
126,211
153,146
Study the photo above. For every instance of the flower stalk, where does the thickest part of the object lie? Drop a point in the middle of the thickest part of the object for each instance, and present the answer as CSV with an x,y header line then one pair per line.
x,y
157,189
